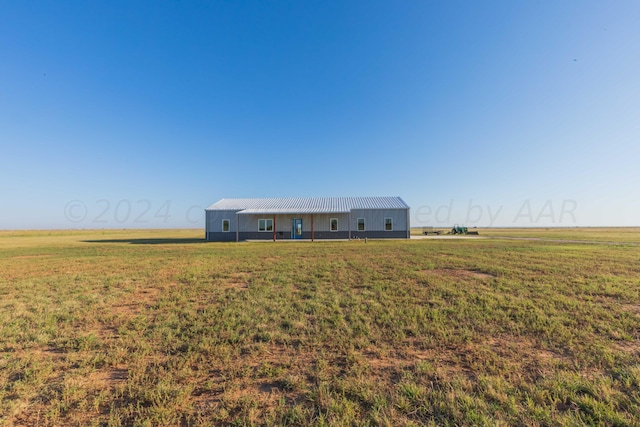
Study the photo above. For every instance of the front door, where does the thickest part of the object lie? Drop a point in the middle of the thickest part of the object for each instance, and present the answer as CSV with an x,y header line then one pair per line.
x,y
296,231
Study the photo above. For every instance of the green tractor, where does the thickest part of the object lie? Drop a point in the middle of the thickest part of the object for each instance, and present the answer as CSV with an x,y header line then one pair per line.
x,y
457,229
461,229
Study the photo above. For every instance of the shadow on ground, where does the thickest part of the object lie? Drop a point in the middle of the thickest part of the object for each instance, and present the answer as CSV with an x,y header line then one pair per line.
x,y
167,241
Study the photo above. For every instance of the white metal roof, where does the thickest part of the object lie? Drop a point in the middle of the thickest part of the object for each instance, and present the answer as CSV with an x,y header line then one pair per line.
x,y
307,205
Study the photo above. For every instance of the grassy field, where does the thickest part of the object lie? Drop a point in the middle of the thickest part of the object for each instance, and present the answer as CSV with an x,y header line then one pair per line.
x,y
157,327
593,234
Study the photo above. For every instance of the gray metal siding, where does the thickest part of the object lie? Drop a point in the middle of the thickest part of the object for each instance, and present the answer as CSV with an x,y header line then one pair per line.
x,y
374,219
214,221
322,222
249,223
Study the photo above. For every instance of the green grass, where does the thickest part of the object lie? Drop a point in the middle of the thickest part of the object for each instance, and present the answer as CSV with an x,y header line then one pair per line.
x,y
156,327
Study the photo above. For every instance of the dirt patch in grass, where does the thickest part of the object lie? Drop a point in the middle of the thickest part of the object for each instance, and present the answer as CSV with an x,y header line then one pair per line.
x,y
242,286
133,304
412,350
404,357
631,308
246,397
631,347
150,292
271,387
277,354
107,332
126,308
49,352
507,345
238,281
257,376
109,378
36,410
479,274
40,353
461,273
548,355
524,357
380,363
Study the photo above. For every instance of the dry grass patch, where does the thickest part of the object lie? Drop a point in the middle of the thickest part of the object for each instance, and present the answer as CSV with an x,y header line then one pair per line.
x,y
32,256
459,273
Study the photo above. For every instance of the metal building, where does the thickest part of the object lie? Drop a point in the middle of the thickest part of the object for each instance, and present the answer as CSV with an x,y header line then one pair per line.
x,y
233,220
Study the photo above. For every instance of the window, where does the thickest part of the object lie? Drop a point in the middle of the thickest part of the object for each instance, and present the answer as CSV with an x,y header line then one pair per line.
x,y
388,224
265,225
333,224
225,225
360,224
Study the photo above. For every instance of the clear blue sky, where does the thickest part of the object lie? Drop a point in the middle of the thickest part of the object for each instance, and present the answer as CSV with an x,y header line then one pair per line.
x,y
141,114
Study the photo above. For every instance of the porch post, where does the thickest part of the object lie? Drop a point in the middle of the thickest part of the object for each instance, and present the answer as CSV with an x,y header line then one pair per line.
x,y
312,227
237,227
274,227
